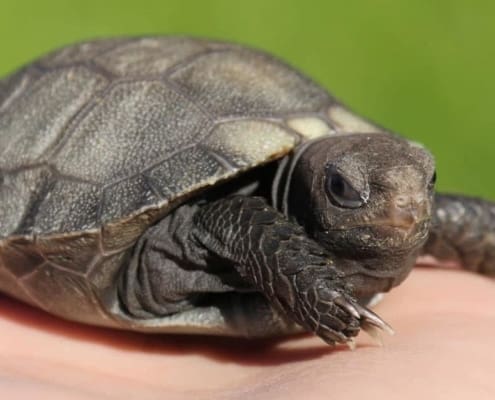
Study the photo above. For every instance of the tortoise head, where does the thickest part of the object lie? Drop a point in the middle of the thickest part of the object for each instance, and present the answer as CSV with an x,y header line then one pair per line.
x,y
367,198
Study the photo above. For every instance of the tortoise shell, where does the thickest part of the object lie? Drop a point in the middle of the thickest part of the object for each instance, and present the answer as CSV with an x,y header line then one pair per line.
x,y
101,139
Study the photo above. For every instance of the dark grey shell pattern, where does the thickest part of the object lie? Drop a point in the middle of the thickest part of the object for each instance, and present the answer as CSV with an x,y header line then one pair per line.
x,y
101,139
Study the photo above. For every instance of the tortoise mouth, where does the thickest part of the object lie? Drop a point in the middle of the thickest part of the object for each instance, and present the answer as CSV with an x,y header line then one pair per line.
x,y
391,227
402,235
391,223
402,227
376,239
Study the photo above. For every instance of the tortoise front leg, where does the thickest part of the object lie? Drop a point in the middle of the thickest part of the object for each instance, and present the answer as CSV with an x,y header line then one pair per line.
x,y
295,274
463,230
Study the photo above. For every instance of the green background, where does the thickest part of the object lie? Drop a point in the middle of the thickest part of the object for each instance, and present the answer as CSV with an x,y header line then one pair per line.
x,y
422,68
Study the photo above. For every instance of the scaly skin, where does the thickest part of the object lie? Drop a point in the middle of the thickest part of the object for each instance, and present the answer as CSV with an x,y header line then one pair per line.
x,y
463,230
274,255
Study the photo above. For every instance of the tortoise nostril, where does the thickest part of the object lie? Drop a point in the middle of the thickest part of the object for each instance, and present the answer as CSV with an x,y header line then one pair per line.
x,y
407,210
409,201
402,201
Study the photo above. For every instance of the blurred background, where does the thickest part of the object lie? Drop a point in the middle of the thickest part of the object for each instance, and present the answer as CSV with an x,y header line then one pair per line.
x,y
424,69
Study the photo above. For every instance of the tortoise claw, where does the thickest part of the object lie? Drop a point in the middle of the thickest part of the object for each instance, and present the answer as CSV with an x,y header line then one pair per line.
x,y
369,320
347,306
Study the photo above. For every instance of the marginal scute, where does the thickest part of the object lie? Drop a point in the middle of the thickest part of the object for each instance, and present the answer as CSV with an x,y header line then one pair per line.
x,y
73,252
10,284
21,256
310,127
125,197
62,285
28,128
121,234
250,142
185,170
346,121
104,278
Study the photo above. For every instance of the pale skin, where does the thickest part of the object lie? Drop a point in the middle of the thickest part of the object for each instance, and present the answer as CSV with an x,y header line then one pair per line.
x,y
443,349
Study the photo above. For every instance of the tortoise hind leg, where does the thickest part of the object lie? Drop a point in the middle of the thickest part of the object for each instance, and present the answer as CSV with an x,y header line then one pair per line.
x,y
463,230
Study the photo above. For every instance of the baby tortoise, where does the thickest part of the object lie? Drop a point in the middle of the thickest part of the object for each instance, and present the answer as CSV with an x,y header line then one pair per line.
x,y
170,184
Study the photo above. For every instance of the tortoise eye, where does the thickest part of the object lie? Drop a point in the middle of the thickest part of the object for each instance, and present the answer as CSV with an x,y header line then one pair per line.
x,y
340,191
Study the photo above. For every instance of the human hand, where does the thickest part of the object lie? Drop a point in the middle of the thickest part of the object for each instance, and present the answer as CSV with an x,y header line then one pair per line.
x,y
444,322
